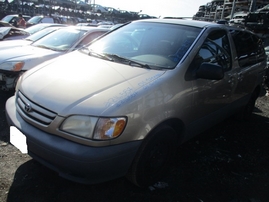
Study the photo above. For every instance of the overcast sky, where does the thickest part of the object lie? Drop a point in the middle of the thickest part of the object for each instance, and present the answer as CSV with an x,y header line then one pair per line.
x,y
170,8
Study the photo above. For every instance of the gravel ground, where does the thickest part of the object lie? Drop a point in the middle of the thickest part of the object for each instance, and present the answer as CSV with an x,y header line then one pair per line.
x,y
228,163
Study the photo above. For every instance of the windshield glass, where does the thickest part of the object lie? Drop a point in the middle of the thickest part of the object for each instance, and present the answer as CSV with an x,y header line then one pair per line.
x,y
7,18
41,33
36,28
149,44
60,40
35,19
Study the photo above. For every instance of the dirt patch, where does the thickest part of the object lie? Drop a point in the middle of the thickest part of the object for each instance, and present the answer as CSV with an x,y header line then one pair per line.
x,y
229,163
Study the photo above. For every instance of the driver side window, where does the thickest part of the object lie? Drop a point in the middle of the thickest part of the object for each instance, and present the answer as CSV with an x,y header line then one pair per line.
x,y
215,50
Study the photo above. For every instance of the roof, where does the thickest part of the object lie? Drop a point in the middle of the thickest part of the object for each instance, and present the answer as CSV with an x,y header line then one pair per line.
x,y
193,23
40,26
16,15
87,28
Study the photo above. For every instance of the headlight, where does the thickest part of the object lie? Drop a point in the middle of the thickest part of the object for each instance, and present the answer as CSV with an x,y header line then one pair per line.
x,y
94,128
108,128
12,66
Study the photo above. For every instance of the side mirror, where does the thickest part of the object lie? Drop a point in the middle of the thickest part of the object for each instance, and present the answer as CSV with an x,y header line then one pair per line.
x,y
210,71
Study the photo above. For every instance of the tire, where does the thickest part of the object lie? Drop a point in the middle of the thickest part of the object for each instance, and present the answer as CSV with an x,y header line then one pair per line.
x,y
153,158
246,112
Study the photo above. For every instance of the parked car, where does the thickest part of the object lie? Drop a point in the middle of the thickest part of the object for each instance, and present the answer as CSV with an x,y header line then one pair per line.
x,y
144,16
223,21
12,33
43,19
35,28
15,61
121,105
238,18
105,24
112,11
87,24
96,8
69,20
125,14
28,40
5,24
116,26
13,19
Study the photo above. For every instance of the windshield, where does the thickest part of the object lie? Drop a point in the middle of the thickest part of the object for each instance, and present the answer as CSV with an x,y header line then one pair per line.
x,y
35,28
41,33
7,18
60,40
146,44
35,20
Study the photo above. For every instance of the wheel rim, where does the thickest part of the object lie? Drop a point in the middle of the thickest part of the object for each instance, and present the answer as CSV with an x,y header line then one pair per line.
x,y
157,158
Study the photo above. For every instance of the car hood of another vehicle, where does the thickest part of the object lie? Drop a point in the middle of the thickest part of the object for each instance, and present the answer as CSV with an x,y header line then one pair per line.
x,y
29,54
4,31
80,84
13,44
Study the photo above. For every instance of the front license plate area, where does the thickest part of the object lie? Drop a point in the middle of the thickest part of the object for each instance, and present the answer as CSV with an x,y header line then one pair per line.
x,y
18,139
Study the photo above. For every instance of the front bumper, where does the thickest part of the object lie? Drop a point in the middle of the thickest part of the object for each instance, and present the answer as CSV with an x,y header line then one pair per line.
x,y
73,161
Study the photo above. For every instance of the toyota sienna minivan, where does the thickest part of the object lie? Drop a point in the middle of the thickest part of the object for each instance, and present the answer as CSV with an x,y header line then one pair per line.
x,y
120,105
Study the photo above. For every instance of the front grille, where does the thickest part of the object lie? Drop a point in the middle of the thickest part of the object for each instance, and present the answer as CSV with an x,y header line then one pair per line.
x,y
33,112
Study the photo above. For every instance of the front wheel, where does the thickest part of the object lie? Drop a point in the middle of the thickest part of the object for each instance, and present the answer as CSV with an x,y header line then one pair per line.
x,y
154,157
246,112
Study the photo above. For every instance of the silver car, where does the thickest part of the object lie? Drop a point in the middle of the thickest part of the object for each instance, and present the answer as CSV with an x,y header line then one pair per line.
x,y
15,61
12,33
121,105
28,40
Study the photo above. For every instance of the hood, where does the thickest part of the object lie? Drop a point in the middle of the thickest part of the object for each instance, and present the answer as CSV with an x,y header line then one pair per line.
x,y
31,55
20,52
78,83
14,43
4,31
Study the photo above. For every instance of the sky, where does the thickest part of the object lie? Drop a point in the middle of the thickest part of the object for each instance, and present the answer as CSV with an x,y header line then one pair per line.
x,y
157,8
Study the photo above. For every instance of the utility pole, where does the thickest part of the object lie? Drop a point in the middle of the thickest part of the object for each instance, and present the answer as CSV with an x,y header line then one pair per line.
x,y
50,5
233,8
222,12
252,6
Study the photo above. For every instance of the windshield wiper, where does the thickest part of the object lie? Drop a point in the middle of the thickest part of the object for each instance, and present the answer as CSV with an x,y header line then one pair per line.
x,y
128,61
99,55
46,47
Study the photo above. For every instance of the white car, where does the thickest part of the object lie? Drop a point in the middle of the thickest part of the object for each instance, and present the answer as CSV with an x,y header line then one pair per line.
x,y
12,33
15,61
35,28
13,19
98,8
238,18
28,40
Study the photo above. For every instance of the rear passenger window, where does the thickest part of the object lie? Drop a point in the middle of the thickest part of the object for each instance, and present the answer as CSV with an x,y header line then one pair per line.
x,y
248,46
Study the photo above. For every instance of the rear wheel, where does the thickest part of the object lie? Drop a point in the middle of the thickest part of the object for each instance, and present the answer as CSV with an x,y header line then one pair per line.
x,y
154,157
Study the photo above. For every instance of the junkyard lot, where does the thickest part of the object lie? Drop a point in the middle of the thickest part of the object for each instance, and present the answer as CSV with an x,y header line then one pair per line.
x,y
229,162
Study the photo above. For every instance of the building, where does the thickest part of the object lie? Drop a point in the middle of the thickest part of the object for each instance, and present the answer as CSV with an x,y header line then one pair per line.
x,y
225,9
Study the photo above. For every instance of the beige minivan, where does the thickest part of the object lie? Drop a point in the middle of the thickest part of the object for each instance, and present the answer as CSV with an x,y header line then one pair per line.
x,y
121,105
